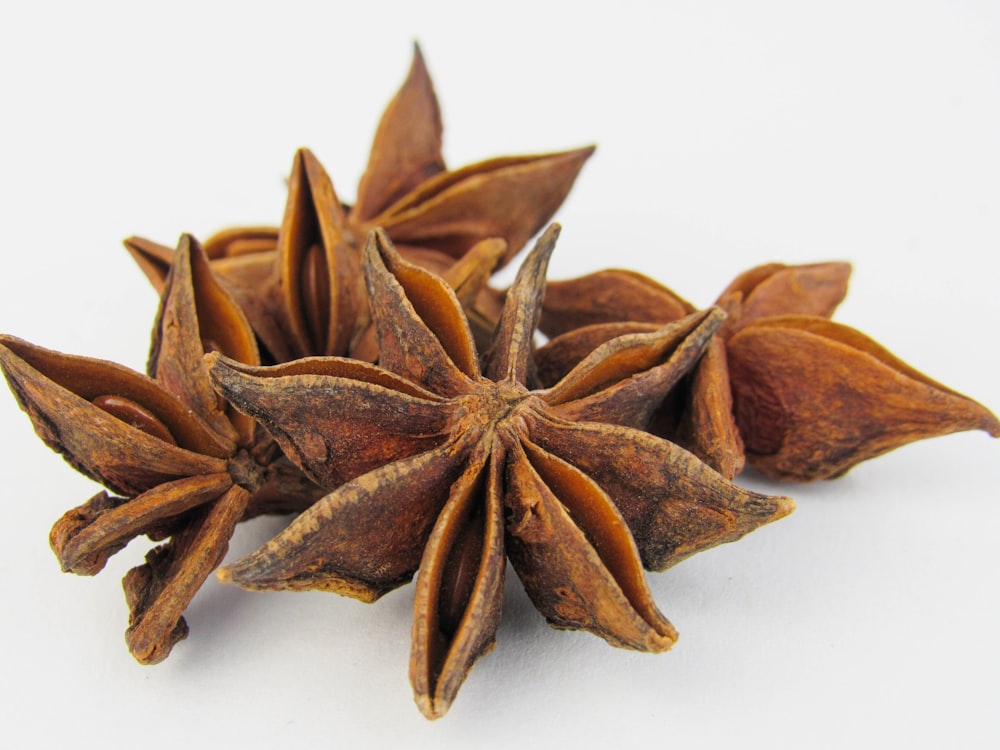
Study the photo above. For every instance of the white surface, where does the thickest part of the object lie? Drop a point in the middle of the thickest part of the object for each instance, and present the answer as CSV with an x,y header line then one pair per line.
x,y
729,134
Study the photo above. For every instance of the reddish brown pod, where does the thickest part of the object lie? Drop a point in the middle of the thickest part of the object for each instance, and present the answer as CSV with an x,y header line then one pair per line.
x,y
452,469
781,386
300,284
184,466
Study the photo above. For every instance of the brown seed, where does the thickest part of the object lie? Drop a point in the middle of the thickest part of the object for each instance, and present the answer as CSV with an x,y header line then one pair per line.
x,y
132,413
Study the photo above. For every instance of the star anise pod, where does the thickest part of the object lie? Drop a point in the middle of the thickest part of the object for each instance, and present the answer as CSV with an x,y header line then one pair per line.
x,y
300,285
451,468
186,466
801,397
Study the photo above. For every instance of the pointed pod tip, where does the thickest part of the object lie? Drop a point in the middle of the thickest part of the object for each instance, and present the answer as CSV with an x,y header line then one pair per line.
x,y
221,368
659,641
212,359
144,246
379,238
715,312
491,248
580,154
219,361
991,424
379,250
538,259
714,317
147,655
430,707
153,259
186,244
236,575
840,269
303,162
574,158
418,77
224,575
149,646
190,241
982,418
13,350
783,506
522,309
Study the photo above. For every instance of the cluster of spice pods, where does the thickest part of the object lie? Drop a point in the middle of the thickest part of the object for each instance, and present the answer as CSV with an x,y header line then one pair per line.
x,y
354,367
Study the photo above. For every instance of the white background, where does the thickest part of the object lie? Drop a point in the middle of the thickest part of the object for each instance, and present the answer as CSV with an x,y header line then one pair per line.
x,y
729,134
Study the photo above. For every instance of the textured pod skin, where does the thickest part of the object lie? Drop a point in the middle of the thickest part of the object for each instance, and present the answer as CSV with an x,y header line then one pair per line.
x,y
300,284
467,466
781,387
187,466
861,401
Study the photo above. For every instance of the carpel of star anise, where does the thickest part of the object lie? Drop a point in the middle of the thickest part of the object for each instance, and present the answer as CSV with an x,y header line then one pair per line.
x,y
300,285
186,465
799,396
451,466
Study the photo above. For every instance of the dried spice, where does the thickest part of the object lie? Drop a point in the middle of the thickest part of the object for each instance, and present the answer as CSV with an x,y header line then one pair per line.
x,y
801,397
186,465
451,468
440,462
300,285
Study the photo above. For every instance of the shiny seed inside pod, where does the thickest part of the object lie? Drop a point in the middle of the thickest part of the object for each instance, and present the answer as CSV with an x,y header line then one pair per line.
x,y
315,288
130,412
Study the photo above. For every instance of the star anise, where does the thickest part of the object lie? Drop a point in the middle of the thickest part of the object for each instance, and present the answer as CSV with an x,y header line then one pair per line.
x,y
186,465
801,397
301,285
450,468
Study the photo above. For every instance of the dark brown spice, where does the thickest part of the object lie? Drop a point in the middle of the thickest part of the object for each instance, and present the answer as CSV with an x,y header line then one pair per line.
x,y
450,468
799,396
300,285
187,465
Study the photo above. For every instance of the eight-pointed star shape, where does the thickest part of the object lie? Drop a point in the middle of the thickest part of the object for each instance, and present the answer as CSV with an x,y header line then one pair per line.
x,y
450,468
